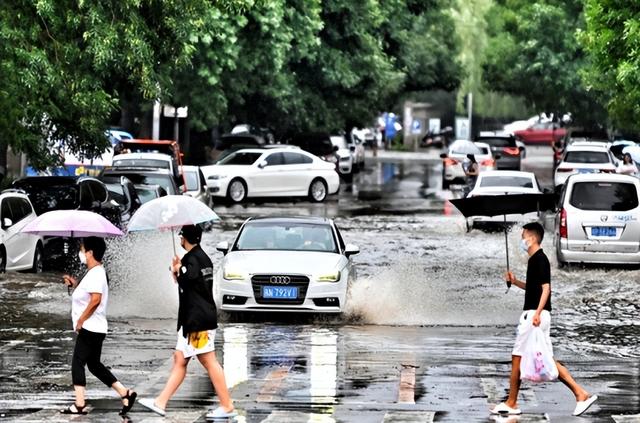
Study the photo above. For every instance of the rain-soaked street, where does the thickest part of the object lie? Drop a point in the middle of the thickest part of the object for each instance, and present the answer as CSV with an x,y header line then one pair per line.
x,y
426,337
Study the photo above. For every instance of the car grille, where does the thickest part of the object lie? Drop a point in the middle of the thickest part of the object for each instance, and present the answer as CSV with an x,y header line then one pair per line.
x,y
301,282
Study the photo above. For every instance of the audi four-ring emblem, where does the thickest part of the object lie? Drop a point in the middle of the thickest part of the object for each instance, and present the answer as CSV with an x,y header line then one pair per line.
x,y
280,280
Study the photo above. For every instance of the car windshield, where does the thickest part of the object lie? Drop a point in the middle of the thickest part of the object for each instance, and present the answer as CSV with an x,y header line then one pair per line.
x,y
604,196
53,197
241,158
506,181
146,163
286,236
117,193
499,142
191,178
165,181
146,193
587,157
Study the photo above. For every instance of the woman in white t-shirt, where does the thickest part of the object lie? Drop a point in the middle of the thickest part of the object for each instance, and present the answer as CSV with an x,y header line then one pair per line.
x,y
89,317
627,166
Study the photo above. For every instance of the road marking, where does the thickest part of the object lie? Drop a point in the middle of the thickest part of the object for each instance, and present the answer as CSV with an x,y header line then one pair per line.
x,y
297,416
489,385
631,418
409,417
10,344
272,384
406,393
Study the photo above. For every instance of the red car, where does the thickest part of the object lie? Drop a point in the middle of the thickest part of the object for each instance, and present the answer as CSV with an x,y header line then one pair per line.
x,y
541,133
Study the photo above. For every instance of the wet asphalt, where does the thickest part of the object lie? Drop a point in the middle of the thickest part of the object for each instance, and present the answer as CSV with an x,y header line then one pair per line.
x,y
426,336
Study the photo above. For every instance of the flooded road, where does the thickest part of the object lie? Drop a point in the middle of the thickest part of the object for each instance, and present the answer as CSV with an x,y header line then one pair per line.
x,y
426,337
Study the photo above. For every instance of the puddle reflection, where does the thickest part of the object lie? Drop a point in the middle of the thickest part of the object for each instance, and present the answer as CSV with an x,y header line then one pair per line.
x,y
235,354
324,371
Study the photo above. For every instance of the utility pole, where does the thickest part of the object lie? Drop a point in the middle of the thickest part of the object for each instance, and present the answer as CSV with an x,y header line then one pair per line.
x,y
470,112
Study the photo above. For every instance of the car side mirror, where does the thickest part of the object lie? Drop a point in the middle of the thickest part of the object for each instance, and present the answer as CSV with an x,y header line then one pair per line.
x,y
335,148
521,148
263,164
352,148
7,223
96,205
223,247
351,250
443,155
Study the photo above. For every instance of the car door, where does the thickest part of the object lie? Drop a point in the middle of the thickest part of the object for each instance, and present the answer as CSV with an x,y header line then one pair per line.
x,y
15,242
271,178
299,172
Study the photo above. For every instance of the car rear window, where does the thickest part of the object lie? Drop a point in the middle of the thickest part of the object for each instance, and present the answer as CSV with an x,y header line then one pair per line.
x,y
150,163
587,157
240,158
604,196
499,142
506,181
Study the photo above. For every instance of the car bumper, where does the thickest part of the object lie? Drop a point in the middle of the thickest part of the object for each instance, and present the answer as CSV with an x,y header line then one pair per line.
x,y
321,297
615,255
218,187
509,162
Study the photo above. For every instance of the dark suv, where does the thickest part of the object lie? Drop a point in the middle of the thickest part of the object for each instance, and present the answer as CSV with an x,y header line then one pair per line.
x,y
49,193
505,150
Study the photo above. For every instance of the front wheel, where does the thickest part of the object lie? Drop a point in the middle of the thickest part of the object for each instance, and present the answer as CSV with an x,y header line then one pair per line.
x,y
38,265
318,191
237,191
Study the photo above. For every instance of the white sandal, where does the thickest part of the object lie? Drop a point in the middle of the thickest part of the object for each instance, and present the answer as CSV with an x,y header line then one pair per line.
x,y
503,408
151,405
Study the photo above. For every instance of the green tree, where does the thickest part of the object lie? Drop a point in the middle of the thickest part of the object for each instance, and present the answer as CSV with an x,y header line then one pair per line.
x,y
533,53
611,38
64,66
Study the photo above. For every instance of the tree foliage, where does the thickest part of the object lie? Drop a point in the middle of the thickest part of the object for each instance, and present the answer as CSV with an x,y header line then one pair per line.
x,y
612,39
533,53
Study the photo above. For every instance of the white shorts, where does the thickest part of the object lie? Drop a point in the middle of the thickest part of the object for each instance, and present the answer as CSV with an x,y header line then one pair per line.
x,y
196,343
522,330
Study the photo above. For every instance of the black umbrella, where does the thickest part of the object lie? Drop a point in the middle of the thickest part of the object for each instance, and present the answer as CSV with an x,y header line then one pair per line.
x,y
496,205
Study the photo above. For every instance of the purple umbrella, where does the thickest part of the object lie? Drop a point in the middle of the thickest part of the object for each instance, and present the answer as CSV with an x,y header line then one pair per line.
x,y
72,223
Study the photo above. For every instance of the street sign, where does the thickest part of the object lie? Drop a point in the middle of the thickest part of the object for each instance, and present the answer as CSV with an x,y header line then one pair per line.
x,y
462,128
416,127
434,125
170,111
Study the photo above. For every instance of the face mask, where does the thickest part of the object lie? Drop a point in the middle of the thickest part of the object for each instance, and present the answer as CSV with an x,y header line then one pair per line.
x,y
82,257
524,245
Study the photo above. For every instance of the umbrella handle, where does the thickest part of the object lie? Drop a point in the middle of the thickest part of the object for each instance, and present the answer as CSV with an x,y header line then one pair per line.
x,y
506,243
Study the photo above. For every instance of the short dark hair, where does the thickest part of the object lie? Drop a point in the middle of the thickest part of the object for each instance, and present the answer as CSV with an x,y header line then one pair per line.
x,y
96,245
537,230
192,233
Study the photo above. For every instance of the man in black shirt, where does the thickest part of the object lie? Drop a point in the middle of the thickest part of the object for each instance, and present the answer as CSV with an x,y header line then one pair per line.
x,y
537,308
197,323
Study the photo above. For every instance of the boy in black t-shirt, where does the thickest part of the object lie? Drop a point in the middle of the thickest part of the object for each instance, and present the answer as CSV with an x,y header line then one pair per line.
x,y
537,308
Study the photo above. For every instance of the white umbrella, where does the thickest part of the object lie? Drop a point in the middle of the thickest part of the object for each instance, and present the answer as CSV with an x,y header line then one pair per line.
x,y
171,212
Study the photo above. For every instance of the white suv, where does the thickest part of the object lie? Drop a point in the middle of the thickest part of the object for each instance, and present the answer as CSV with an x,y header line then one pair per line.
x,y
18,250
584,157
599,220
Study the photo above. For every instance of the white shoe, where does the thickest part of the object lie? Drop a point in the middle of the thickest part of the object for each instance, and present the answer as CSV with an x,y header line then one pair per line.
x,y
582,406
219,413
503,408
151,405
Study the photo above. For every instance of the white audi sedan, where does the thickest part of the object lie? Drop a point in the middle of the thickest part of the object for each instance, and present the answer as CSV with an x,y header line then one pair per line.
x,y
290,264
276,172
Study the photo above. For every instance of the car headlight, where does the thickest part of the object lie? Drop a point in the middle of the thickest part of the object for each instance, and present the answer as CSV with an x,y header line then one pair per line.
x,y
216,177
233,275
329,277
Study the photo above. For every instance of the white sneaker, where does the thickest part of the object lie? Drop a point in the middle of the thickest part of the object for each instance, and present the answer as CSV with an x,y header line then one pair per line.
x,y
151,405
503,408
219,413
582,406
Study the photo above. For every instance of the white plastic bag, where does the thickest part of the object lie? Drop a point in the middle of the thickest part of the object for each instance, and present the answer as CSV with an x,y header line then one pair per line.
x,y
537,363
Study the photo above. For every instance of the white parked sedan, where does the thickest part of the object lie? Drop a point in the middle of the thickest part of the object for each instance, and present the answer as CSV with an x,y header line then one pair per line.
x,y
277,172
455,161
18,250
285,264
584,157
500,182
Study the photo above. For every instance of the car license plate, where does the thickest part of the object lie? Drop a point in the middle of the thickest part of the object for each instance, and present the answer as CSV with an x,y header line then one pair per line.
x,y
280,292
603,231
586,170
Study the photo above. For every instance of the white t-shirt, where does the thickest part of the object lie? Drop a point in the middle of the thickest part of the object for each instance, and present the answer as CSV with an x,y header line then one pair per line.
x,y
95,281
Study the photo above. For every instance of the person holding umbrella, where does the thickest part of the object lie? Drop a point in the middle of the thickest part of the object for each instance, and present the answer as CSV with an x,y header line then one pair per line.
x,y
471,171
537,311
197,323
89,316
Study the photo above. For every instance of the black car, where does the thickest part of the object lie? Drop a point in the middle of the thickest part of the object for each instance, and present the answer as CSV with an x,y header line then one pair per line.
x,y
125,194
142,176
317,143
49,193
505,150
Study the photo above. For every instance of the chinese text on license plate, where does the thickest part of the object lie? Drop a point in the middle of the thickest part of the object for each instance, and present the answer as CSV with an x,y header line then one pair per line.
x,y
603,231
